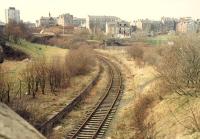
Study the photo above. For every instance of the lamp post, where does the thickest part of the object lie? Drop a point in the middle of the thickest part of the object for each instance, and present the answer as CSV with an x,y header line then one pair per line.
x,y
64,27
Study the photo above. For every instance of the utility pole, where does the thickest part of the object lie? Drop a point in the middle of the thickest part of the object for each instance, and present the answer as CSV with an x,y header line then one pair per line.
x,y
64,26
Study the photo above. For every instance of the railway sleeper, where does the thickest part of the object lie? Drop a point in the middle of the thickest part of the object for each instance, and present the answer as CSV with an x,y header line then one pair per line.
x,y
85,133
99,115
91,126
89,129
96,118
84,137
104,110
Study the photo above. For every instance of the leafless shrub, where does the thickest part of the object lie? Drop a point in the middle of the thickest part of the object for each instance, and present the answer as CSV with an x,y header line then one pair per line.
x,y
180,66
14,31
57,74
79,61
140,113
194,119
28,111
59,41
30,77
136,52
35,76
139,36
5,86
150,58
152,55
190,120
41,71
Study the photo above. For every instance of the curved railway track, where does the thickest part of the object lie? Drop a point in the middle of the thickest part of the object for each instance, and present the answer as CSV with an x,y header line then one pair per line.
x,y
98,119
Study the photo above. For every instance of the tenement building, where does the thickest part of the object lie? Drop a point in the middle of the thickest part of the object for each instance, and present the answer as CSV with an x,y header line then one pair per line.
x,y
12,14
46,21
98,23
65,20
186,25
120,29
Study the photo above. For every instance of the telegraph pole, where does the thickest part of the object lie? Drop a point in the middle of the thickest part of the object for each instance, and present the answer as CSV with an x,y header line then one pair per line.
x,y
64,27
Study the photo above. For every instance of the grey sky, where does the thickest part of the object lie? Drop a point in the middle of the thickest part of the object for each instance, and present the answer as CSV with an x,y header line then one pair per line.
x,y
125,9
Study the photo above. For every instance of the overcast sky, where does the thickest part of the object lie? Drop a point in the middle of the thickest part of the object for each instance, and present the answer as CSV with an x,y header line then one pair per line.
x,y
126,9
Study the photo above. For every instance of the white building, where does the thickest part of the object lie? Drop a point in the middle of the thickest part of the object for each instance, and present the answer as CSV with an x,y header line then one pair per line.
x,y
12,14
65,20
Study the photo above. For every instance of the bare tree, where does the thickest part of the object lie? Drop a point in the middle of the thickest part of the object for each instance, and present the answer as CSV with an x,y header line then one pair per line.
x,y
180,66
30,77
14,31
5,86
56,74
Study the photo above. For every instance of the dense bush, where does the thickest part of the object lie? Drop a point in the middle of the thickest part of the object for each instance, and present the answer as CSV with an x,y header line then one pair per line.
x,y
136,52
79,61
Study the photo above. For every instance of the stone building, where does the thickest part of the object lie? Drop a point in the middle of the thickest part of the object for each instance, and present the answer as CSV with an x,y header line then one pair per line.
x,y
79,22
2,27
121,29
65,20
156,27
153,27
46,21
111,29
98,23
12,14
186,25
143,25
198,25
168,24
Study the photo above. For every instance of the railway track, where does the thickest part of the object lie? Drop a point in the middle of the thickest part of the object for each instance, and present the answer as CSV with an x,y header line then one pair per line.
x,y
97,121
46,127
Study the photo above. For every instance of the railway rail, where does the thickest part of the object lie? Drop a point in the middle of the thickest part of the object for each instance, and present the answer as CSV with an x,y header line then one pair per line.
x,y
97,121
48,125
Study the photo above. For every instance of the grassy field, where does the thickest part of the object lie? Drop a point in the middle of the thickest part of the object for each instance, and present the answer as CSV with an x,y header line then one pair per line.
x,y
34,51
158,40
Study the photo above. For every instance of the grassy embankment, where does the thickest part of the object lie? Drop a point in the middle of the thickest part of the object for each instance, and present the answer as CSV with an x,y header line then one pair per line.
x,y
146,109
48,104
34,51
